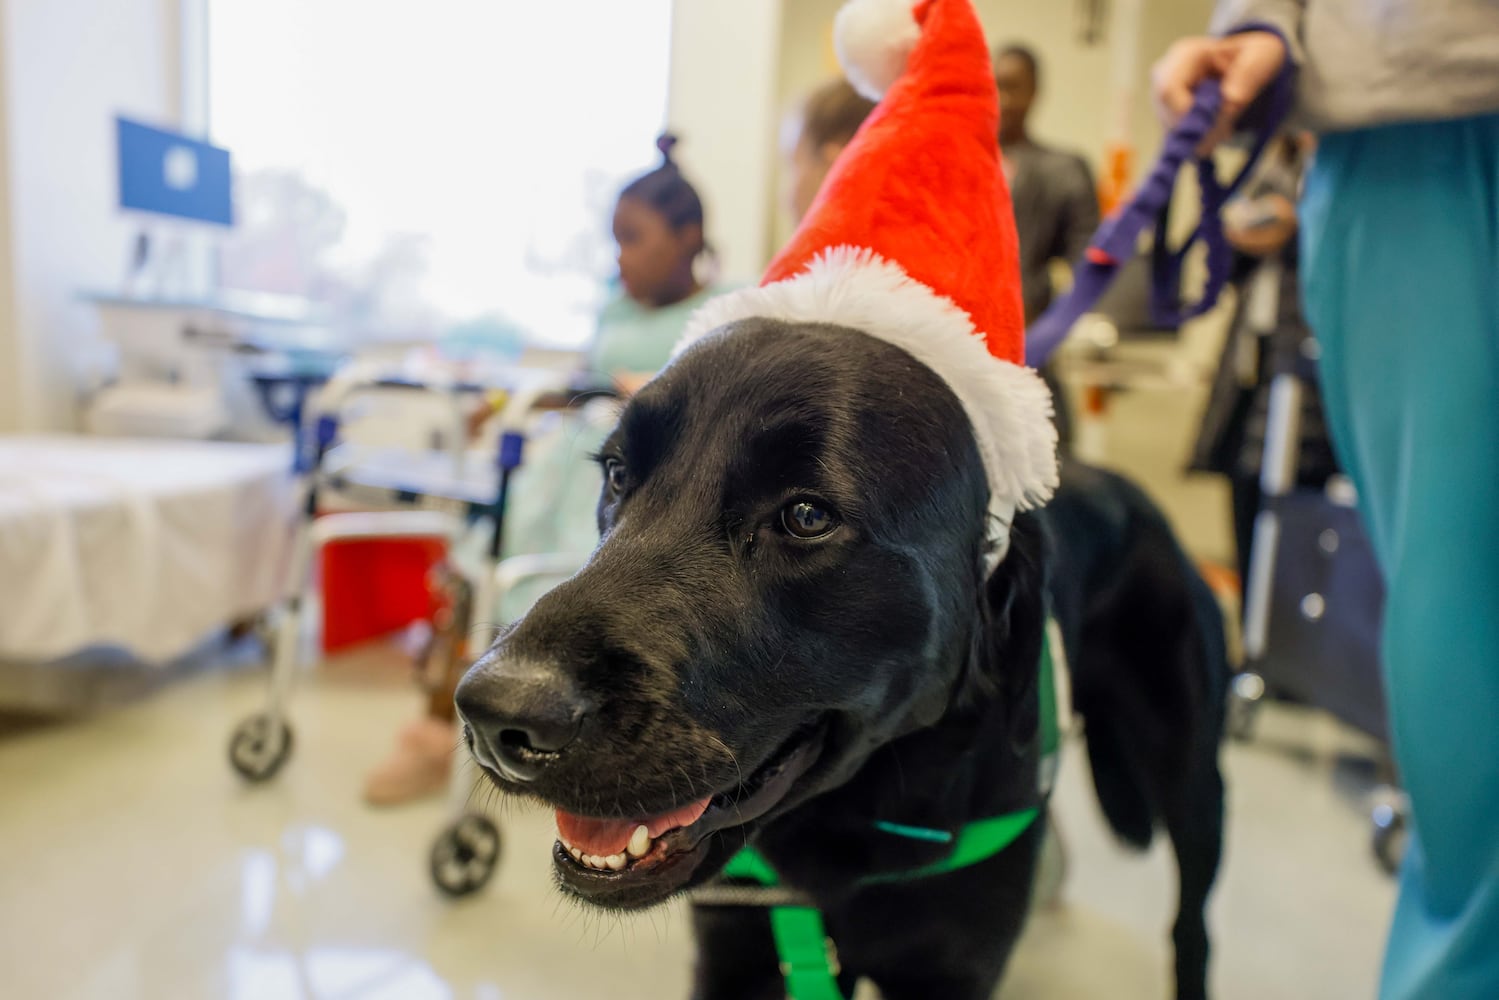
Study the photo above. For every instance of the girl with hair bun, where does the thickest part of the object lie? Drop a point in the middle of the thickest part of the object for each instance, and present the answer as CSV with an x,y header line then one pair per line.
x,y
664,275
665,267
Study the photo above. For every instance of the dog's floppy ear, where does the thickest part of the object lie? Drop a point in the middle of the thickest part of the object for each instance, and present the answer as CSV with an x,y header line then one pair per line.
x,y
1005,651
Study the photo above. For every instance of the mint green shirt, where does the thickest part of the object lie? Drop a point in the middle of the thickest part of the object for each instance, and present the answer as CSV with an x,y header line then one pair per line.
x,y
554,495
636,338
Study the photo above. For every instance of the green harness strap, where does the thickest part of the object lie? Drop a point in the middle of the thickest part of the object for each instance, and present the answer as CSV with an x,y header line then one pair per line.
x,y
809,963
809,960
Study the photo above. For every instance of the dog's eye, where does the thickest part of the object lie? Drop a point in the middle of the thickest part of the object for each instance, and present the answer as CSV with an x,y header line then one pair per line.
x,y
805,519
615,475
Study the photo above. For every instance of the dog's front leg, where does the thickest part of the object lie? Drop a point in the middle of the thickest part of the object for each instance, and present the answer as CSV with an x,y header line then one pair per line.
x,y
736,956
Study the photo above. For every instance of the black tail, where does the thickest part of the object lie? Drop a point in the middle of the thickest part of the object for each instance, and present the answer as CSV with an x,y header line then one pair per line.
x,y
1146,643
1121,784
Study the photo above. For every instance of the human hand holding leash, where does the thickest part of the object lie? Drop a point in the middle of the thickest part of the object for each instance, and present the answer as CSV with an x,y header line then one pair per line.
x,y
1245,63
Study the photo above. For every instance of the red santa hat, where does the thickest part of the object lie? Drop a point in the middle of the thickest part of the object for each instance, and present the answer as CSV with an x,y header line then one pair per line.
x,y
912,238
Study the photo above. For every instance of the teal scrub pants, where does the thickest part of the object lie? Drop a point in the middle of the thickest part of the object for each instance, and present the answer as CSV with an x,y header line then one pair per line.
x,y
1400,256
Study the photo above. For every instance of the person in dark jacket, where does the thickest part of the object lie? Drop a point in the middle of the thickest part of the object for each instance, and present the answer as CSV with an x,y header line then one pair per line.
x,y
1056,203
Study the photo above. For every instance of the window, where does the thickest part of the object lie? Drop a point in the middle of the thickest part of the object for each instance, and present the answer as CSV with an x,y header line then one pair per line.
x,y
428,168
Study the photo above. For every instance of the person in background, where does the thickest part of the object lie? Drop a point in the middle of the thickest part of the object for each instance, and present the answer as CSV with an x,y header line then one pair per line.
x,y
664,265
1399,222
1056,202
814,137
659,229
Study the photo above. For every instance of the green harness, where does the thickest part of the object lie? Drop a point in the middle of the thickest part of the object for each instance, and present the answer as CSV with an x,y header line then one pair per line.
x,y
809,960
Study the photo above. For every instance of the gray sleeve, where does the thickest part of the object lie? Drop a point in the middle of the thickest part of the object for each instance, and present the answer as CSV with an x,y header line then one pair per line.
x,y
1284,15
1080,212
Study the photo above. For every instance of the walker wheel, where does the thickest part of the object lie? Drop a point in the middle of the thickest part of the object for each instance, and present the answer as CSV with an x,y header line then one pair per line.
x,y
465,855
259,746
1390,836
1245,698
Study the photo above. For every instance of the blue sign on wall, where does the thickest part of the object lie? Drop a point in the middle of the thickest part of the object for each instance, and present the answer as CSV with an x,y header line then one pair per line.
x,y
170,174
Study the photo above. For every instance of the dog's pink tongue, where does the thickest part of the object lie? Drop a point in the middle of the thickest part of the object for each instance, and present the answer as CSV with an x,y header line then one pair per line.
x,y
604,837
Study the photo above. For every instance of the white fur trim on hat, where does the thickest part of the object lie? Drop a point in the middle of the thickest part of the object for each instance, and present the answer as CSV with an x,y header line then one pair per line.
x,y
1008,405
873,39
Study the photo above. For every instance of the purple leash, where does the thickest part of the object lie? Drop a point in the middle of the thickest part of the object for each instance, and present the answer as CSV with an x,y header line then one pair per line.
x,y
1117,239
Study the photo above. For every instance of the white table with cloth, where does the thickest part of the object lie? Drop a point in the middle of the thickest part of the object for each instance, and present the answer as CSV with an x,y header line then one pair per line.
x,y
146,546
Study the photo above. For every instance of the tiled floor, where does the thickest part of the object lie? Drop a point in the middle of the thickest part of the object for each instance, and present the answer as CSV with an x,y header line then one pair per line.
x,y
138,867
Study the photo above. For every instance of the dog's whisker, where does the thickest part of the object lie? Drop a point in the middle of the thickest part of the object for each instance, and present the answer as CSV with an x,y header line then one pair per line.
x,y
495,629
738,771
473,793
677,765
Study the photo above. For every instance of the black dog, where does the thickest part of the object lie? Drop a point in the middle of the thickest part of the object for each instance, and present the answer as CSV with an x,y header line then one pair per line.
x,y
788,633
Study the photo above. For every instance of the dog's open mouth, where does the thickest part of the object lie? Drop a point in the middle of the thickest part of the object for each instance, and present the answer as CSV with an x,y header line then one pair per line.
x,y
639,860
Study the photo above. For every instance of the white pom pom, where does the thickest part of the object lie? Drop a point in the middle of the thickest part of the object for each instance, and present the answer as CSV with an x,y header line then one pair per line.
x,y
873,39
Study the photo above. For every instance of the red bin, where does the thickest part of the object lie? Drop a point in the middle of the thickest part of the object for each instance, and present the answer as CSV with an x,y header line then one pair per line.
x,y
374,587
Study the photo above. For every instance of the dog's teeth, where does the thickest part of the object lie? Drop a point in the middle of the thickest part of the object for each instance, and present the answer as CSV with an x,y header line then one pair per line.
x,y
639,844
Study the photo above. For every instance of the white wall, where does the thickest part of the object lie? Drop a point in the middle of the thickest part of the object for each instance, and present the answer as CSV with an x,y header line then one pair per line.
x,y
722,89
68,67
10,348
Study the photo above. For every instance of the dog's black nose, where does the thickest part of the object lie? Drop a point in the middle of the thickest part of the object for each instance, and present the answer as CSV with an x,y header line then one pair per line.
x,y
522,715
